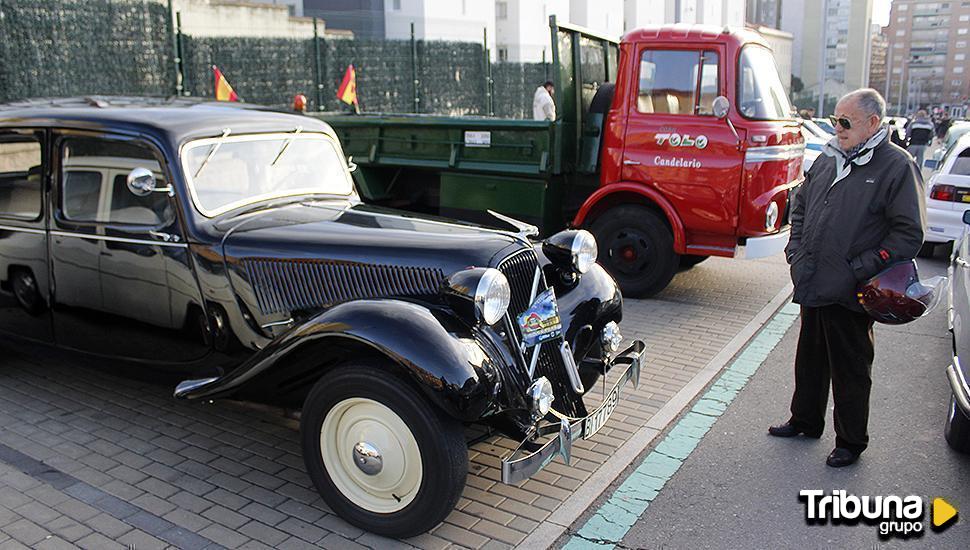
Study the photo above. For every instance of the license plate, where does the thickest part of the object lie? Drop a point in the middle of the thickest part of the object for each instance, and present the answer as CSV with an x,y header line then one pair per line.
x,y
596,420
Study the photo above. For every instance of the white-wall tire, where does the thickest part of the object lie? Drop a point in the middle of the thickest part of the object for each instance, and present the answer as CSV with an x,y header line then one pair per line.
x,y
424,458
359,419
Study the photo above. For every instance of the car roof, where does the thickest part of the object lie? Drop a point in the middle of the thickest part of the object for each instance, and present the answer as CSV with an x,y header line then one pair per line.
x,y
173,119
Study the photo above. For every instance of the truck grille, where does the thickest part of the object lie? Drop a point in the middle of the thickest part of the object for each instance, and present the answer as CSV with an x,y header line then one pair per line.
x,y
520,269
288,285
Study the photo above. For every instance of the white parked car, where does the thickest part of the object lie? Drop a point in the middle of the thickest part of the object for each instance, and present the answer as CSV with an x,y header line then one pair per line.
x,y
815,139
948,196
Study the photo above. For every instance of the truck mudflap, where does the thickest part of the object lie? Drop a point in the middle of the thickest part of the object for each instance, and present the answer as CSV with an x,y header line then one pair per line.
x,y
522,464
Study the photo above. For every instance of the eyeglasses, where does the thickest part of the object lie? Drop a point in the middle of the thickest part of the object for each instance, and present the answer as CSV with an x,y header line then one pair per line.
x,y
841,121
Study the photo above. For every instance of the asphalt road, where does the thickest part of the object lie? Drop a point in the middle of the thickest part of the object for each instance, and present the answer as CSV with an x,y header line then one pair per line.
x,y
739,488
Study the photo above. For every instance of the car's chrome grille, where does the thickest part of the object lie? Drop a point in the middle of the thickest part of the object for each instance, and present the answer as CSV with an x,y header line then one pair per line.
x,y
288,285
520,269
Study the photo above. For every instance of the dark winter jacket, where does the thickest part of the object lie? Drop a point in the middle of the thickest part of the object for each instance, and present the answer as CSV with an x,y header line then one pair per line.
x,y
853,217
920,131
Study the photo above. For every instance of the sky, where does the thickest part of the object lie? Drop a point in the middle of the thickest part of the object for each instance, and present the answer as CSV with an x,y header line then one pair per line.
x,y
880,12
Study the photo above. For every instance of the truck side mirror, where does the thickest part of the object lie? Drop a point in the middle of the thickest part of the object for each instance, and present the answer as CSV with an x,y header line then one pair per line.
x,y
966,217
721,106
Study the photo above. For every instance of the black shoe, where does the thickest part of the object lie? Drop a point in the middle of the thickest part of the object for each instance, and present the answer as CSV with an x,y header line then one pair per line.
x,y
840,457
789,430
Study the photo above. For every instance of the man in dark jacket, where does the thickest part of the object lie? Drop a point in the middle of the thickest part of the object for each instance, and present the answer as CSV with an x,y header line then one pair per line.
x,y
861,208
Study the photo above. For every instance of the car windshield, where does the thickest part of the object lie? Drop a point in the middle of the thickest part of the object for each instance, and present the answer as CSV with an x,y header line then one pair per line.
x,y
232,171
760,93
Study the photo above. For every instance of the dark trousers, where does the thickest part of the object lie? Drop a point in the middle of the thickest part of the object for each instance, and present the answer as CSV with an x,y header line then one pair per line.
x,y
835,344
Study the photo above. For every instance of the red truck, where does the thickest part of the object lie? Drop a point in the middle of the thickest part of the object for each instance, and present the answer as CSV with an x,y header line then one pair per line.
x,y
675,144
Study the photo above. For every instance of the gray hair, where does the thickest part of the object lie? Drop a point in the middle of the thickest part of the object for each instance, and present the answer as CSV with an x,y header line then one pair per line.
x,y
869,100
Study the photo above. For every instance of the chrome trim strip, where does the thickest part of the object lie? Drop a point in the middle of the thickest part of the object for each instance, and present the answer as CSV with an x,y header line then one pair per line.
x,y
774,152
189,386
22,229
958,384
516,468
116,239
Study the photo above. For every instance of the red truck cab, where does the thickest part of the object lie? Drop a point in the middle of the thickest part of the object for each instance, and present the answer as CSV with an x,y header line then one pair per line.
x,y
700,155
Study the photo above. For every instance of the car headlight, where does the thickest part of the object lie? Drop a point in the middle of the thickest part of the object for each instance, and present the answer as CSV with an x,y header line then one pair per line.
x,y
771,216
541,393
492,297
480,291
611,337
573,248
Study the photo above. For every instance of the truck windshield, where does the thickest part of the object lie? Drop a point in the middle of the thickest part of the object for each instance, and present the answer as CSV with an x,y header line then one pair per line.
x,y
760,93
242,170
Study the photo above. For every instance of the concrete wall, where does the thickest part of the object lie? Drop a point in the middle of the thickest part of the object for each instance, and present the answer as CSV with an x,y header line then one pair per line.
x,y
224,18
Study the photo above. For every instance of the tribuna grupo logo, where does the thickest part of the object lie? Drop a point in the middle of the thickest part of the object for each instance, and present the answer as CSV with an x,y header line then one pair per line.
x,y
894,516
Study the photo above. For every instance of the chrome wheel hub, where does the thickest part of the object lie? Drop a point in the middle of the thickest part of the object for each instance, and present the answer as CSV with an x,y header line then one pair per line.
x,y
368,458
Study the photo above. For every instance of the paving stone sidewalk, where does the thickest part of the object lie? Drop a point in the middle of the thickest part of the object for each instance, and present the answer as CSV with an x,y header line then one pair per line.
x,y
92,460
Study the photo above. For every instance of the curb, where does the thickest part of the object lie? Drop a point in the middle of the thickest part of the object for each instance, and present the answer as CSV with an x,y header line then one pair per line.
x,y
549,531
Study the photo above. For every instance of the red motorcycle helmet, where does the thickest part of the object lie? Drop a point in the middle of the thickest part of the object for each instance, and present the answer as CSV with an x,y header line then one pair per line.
x,y
896,295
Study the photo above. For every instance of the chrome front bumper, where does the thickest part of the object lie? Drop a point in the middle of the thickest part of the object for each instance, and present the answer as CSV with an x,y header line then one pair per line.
x,y
521,464
762,247
958,385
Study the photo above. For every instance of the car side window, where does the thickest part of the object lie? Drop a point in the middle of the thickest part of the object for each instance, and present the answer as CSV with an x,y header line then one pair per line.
x,y
21,181
679,82
95,189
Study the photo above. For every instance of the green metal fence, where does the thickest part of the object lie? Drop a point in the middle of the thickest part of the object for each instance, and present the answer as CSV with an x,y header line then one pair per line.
x,y
52,48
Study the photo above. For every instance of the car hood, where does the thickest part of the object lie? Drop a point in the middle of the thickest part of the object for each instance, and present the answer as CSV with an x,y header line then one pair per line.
x,y
311,255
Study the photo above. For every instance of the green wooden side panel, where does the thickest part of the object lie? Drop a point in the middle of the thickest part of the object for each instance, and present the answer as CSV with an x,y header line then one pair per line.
x,y
536,201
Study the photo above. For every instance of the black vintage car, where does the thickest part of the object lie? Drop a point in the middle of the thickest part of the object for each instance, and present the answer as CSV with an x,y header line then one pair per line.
x,y
229,241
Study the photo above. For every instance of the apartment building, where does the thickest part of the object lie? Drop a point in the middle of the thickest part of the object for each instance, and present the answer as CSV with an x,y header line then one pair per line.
x,y
878,61
845,26
928,49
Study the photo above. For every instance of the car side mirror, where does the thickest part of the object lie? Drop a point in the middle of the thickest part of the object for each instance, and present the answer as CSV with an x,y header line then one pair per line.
x,y
966,217
141,182
721,106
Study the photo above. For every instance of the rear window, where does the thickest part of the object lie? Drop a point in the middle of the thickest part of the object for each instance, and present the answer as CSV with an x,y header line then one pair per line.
x,y
20,177
961,164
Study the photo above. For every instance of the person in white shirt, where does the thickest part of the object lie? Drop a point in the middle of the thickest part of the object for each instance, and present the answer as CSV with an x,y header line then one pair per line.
x,y
543,106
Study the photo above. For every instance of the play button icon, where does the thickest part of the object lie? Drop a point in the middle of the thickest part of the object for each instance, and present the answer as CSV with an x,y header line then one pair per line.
x,y
943,514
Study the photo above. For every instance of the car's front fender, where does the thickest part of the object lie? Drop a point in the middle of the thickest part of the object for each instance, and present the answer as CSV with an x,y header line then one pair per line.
x,y
451,368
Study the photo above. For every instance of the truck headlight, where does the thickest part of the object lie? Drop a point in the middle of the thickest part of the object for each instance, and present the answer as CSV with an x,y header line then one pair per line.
x,y
573,248
541,393
482,292
771,216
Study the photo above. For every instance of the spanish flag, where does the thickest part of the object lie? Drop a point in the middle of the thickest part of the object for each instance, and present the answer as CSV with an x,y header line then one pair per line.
x,y
224,91
348,88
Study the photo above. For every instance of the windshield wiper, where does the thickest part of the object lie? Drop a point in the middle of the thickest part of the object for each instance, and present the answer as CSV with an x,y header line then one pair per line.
x,y
286,144
212,151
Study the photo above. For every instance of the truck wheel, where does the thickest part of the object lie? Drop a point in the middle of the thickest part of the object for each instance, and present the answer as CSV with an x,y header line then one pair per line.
x,y
637,249
379,453
957,430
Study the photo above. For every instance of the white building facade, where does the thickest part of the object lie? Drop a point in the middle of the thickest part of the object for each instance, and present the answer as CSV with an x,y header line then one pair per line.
x,y
522,28
601,16
640,13
459,20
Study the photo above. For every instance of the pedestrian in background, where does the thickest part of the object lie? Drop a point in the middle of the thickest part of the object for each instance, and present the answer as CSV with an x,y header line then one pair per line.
x,y
895,135
860,209
919,133
543,106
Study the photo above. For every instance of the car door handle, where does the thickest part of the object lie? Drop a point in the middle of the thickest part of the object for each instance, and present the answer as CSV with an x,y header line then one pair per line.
x,y
167,237
631,163
963,263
